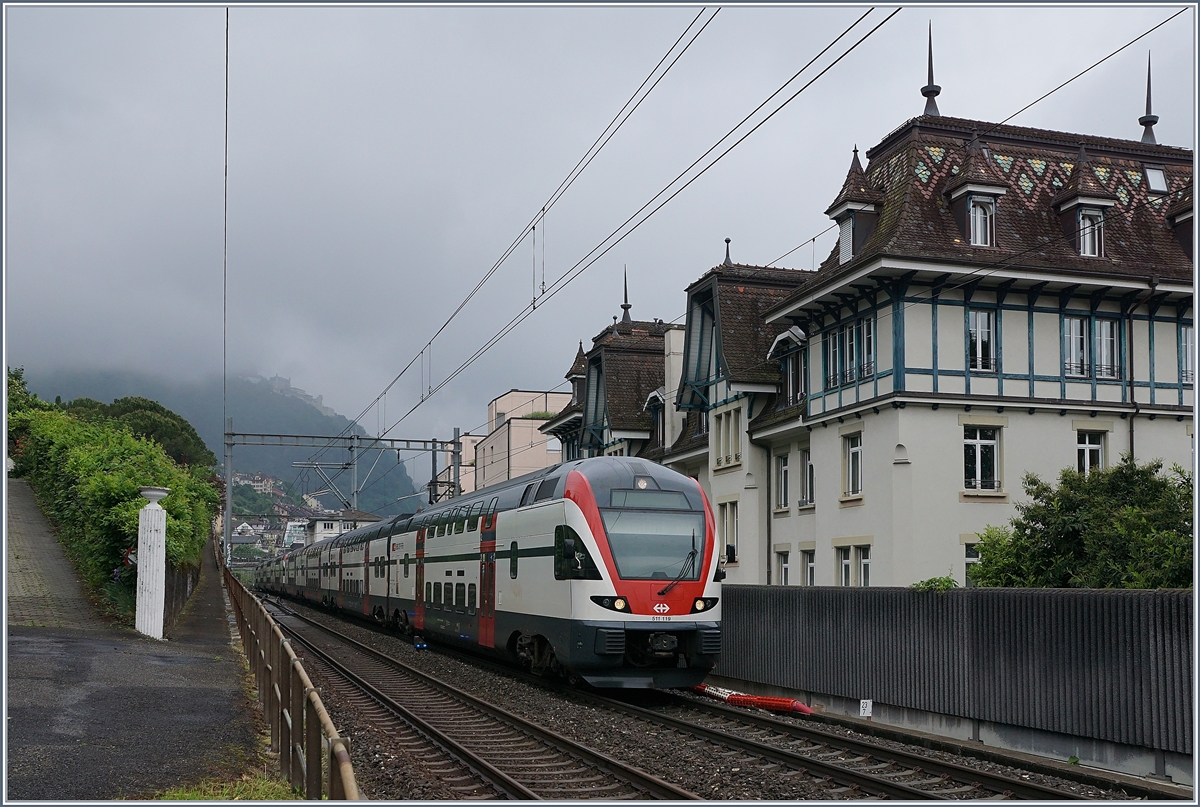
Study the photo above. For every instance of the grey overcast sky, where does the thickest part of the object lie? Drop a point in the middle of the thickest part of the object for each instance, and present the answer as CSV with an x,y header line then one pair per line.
x,y
382,158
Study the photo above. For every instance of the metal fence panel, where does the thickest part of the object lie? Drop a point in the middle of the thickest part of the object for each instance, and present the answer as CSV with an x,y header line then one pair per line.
x,y
1112,665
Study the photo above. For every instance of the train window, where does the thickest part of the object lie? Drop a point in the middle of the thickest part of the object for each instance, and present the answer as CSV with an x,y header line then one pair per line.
x,y
429,592
512,561
437,595
527,496
571,558
460,595
441,525
473,517
406,564
490,518
470,598
546,489
650,499
460,519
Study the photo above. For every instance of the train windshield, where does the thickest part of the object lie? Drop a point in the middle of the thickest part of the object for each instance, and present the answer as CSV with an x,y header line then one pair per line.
x,y
655,545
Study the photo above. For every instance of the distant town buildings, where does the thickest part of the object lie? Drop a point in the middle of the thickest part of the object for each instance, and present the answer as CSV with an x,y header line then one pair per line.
x,y
514,445
333,524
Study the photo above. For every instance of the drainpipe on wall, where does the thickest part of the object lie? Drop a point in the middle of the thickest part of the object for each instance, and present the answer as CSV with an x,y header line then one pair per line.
x,y
770,507
1132,387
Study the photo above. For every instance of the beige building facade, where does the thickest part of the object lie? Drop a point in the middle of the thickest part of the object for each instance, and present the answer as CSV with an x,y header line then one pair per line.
x,y
514,446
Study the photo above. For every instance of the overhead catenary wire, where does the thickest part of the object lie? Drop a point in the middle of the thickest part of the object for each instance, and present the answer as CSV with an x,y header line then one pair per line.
x,y
601,141
486,423
600,250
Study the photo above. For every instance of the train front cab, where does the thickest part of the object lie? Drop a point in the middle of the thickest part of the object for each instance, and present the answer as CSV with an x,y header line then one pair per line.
x,y
635,556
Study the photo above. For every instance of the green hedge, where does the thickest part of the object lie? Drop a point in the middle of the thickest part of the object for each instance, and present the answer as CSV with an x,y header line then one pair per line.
x,y
87,475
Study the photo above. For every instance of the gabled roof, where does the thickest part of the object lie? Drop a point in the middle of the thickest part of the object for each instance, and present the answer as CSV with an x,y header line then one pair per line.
x,y
1084,182
579,368
742,296
631,357
913,164
857,188
976,169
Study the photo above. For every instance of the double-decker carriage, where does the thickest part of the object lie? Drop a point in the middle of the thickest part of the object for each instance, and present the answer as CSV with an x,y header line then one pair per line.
x,y
603,569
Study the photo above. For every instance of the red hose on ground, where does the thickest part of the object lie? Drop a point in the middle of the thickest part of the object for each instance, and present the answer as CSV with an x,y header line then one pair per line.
x,y
755,701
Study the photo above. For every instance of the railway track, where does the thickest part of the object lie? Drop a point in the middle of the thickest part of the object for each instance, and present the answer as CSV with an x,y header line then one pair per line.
x,y
849,767
908,775
846,770
513,757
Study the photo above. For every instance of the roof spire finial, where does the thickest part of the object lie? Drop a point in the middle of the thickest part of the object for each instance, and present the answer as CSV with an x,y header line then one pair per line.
x,y
1149,119
727,261
626,306
931,90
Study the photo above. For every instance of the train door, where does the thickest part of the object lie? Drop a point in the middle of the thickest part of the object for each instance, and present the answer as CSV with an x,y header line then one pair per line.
x,y
487,575
366,584
419,592
340,578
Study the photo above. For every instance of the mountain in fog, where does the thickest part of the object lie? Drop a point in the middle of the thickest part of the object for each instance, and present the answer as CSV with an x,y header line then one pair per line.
x,y
267,405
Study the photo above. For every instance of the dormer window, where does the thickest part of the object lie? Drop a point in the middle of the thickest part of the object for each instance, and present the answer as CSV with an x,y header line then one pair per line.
x,y
1091,232
983,222
1156,180
793,375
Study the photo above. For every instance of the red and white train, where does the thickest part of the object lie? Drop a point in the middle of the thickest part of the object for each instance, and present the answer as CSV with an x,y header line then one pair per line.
x,y
601,569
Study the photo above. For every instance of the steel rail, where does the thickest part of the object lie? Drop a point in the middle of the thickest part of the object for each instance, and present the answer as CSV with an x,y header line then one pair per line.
x,y
1098,779
502,782
651,784
868,783
992,781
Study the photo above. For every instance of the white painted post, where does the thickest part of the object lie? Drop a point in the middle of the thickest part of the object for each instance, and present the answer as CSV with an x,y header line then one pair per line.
x,y
152,564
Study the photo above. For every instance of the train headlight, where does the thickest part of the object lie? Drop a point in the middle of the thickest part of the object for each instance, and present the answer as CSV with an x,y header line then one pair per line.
x,y
698,605
612,603
704,604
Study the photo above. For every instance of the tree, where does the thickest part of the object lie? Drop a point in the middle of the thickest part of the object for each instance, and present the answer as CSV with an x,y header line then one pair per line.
x,y
19,396
1129,526
152,420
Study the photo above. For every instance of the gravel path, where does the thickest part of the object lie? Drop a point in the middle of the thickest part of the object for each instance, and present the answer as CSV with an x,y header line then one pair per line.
x,y
387,772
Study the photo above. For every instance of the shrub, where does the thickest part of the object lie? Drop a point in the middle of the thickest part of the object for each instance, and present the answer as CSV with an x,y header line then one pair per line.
x,y
944,583
1129,526
87,475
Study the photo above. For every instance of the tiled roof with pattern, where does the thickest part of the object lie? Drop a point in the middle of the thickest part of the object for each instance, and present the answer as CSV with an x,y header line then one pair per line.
x,y
915,220
976,170
1083,182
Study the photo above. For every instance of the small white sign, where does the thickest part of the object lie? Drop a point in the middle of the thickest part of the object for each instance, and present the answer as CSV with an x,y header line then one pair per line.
x,y
864,708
